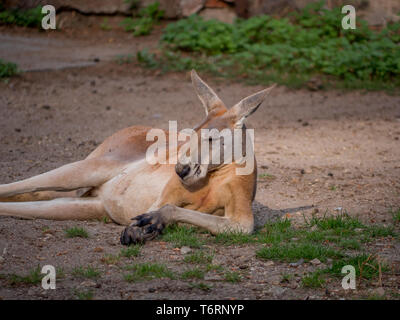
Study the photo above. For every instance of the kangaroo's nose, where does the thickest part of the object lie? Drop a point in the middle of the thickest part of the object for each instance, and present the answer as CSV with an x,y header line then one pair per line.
x,y
182,170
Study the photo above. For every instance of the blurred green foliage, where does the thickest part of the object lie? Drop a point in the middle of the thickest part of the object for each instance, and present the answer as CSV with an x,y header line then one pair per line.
x,y
25,18
148,17
288,50
7,69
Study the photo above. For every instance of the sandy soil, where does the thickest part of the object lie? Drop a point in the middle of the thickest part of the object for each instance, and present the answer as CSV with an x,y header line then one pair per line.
x,y
325,149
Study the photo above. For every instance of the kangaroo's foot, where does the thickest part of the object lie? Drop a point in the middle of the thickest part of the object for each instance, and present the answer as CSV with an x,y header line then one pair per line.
x,y
144,227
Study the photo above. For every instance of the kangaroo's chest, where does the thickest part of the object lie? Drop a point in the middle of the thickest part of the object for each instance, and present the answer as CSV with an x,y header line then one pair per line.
x,y
134,190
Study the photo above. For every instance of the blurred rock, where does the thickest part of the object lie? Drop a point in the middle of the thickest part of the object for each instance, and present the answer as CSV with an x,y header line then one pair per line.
x,y
189,7
226,15
185,250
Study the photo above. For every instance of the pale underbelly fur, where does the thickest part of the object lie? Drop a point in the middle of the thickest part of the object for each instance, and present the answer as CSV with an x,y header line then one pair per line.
x,y
133,191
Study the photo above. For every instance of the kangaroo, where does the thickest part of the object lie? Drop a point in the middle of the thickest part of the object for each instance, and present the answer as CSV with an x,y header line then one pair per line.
x,y
116,181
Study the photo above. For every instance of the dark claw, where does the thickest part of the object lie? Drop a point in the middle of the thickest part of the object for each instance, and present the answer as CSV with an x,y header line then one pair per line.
x,y
145,227
141,220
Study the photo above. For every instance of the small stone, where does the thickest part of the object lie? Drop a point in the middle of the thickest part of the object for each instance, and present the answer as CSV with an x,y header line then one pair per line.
x,y
210,276
358,230
88,283
151,290
314,227
378,291
315,262
277,290
2,259
296,264
185,250
269,263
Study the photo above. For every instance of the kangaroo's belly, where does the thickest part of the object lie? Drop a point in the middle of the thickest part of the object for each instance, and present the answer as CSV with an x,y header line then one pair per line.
x,y
134,190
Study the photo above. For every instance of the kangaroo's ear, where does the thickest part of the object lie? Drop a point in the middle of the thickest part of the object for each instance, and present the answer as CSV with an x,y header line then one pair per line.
x,y
247,106
207,96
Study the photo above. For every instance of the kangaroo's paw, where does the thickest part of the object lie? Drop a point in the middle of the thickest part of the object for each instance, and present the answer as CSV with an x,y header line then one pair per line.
x,y
144,227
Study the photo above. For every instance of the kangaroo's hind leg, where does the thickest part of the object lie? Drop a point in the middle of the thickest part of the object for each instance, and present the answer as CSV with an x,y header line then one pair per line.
x,y
86,173
58,209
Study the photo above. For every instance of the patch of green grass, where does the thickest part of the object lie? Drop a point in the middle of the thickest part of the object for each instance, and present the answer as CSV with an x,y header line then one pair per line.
x,y
201,286
84,294
313,280
366,266
33,277
193,273
294,252
272,232
144,24
147,271
88,272
7,69
110,259
377,231
76,232
233,276
215,267
131,251
199,257
352,244
396,216
231,238
340,222
26,18
277,232
286,277
265,49
181,236
60,273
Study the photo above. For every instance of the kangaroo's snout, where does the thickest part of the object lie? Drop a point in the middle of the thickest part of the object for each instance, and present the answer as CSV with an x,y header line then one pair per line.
x,y
182,170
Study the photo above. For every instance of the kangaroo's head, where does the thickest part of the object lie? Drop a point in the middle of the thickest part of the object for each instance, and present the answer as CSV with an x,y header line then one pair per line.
x,y
215,142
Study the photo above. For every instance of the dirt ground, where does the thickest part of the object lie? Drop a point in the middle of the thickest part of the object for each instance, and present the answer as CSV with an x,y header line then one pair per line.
x,y
321,150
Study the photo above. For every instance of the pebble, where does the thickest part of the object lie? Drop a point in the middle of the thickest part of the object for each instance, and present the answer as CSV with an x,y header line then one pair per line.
x,y
269,263
2,259
185,250
296,264
315,262
378,291
88,283
277,290
210,276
